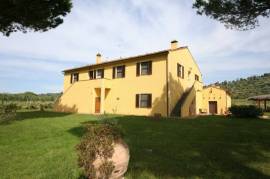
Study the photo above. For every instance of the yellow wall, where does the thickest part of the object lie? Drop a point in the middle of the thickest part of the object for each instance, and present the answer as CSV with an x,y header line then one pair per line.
x,y
121,92
178,85
119,95
216,94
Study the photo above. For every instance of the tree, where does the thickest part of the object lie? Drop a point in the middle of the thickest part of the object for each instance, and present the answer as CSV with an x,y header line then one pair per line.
x,y
36,15
235,14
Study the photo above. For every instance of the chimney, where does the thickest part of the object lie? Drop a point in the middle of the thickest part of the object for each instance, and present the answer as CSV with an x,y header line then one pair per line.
x,y
98,58
174,44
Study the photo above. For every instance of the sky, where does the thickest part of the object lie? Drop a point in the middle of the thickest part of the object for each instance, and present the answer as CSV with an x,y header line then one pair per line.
x,y
120,28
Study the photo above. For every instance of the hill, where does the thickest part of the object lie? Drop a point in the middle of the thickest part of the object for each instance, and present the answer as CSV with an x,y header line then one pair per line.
x,y
245,87
28,96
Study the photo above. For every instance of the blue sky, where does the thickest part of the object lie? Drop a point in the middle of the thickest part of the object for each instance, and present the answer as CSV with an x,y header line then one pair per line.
x,y
34,61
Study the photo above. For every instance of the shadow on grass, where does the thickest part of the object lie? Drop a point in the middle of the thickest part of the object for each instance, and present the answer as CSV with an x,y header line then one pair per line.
x,y
212,147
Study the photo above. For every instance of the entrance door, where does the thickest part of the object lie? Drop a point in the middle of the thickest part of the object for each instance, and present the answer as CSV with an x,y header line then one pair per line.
x,y
97,105
212,107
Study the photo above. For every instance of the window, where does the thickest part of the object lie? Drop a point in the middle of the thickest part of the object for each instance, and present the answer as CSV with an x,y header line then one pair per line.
x,y
180,71
196,77
74,77
96,74
99,73
143,100
144,68
119,71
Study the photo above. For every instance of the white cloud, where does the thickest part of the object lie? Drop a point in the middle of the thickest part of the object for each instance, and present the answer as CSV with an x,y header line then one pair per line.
x,y
123,28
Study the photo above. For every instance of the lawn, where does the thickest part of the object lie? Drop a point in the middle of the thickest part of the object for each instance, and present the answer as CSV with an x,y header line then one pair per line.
x,y
42,145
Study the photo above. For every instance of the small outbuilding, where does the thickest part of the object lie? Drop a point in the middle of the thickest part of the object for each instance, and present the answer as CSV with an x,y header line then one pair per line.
x,y
261,99
215,100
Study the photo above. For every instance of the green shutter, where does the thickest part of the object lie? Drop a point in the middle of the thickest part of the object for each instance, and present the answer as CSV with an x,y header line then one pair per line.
x,y
113,74
149,100
138,69
124,71
137,100
150,68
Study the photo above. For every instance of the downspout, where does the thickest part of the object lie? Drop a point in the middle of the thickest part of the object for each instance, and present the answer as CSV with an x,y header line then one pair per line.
x,y
167,85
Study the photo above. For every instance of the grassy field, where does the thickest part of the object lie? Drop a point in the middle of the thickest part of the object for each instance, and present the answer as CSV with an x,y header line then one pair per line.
x,y
42,145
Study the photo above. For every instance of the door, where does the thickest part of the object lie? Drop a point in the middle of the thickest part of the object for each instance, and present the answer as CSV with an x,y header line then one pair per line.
x,y
97,105
212,107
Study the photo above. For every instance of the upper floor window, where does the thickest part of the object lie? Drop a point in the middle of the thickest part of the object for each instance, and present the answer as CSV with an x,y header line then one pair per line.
x,y
99,73
119,71
143,100
74,77
196,77
180,70
96,74
144,68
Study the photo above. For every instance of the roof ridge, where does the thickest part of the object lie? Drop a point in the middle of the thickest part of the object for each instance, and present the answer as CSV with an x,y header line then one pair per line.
x,y
122,59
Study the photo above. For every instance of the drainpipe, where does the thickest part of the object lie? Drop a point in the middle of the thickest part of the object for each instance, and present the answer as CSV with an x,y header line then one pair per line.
x,y
167,86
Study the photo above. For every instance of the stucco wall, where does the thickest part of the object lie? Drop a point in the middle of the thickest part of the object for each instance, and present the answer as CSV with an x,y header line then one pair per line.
x,y
120,92
178,85
216,94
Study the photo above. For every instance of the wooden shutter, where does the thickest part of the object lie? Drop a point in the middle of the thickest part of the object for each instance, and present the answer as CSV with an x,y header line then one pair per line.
x,y
102,73
149,100
178,69
113,74
124,71
78,76
183,72
71,80
138,69
150,68
95,71
91,75
137,100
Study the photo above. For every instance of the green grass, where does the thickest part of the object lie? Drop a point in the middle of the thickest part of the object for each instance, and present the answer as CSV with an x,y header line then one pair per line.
x,y
42,145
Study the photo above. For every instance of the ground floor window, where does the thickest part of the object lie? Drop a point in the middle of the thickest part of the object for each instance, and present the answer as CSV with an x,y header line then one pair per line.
x,y
143,100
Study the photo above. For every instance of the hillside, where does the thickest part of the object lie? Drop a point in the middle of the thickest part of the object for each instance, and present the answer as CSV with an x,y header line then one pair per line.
x,y
28,96
245,87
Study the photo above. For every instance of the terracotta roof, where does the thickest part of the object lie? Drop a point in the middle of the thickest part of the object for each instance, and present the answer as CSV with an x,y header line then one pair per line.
x,y
260,97
121,59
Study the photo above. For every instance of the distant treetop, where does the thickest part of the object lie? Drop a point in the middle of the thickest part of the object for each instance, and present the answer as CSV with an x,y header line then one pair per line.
x,y
245,87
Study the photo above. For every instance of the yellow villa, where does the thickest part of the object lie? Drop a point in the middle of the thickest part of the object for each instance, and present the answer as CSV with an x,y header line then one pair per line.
x,y
166,83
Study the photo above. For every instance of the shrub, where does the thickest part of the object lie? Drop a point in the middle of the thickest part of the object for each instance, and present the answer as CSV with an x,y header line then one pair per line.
x,y
98,143
8,112
246,111
41,107
33,107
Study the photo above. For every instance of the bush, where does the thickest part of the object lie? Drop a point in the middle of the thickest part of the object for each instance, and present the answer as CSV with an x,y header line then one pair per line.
x,y
246,111
8,112
98,143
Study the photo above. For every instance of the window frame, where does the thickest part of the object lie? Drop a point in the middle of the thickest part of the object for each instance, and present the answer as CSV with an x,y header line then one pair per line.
x,y
101,75
93,74
180,71
116,72
197,78
144,103
139,68
74,77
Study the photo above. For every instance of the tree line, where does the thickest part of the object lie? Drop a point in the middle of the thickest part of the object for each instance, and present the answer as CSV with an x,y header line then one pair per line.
x,y
28,96
243,88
